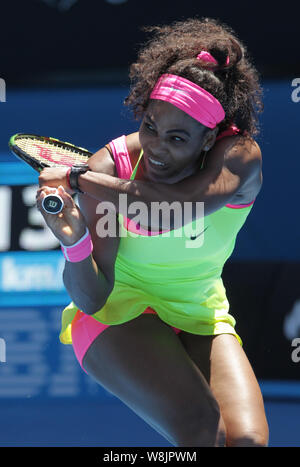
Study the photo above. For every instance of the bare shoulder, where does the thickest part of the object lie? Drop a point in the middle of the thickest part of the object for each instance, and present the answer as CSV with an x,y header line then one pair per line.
x,y
243,157
103,161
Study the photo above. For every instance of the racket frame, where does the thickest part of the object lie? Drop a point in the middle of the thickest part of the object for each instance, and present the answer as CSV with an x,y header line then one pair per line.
x,y
38,165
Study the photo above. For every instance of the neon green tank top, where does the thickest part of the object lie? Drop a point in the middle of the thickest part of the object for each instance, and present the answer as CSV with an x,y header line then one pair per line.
x,y
177,273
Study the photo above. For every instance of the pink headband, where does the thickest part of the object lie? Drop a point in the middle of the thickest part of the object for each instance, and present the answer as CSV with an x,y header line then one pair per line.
x,y
207,57
189,97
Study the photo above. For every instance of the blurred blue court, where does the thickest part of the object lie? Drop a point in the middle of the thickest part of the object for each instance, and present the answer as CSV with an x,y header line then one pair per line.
x,y
112,424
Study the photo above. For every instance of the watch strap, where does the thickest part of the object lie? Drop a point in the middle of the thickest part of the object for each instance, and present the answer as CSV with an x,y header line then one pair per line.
x,y
73,174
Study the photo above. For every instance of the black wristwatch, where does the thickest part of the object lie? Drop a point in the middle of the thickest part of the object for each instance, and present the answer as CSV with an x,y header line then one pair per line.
x,y
74,172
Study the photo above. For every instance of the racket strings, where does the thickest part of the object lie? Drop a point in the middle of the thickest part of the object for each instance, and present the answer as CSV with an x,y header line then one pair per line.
x,y
50,153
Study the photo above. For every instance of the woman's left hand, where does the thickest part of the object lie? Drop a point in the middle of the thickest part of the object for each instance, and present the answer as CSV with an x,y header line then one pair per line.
x,y
69,225
55,177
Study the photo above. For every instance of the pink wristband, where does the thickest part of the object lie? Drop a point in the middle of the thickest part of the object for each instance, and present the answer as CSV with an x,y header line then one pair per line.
x,y
80,250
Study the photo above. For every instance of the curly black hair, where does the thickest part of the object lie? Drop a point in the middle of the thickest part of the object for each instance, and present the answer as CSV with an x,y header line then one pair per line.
x,y
174,49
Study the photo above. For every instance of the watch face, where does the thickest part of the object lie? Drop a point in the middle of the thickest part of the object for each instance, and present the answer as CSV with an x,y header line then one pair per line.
x,y
81,166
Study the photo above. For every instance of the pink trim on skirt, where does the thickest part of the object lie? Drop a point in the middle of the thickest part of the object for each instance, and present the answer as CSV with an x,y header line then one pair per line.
x,y
85,329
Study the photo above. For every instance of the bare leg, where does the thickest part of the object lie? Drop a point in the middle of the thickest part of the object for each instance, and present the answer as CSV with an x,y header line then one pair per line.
x,y
144,364
223,362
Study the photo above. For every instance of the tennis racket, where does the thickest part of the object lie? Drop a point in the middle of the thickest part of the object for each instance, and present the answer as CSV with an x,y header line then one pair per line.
x,y
40,152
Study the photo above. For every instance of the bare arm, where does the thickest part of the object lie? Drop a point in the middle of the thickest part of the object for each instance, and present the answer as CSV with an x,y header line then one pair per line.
x,y
231,167
91,281
87,285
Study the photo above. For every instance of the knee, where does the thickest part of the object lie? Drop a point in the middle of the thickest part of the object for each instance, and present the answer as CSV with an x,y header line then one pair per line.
x,y
202,429
249,439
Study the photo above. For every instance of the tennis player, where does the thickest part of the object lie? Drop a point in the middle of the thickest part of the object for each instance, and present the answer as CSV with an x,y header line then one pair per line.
x,y
150,320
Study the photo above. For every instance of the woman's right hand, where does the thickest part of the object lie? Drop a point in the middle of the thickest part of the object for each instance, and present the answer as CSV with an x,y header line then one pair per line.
x,y
69,225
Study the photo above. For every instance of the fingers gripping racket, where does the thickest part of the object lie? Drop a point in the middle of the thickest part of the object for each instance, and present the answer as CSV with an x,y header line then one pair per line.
x,y
40,152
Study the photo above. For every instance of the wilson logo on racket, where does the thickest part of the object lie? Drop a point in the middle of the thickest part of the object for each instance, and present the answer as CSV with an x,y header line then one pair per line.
x,y
49,155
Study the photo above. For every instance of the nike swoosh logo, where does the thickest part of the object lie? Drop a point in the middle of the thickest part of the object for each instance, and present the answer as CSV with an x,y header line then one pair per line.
x,y
193,237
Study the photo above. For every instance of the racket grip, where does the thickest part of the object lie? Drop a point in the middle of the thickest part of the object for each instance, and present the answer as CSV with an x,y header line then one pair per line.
x,y
52,204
